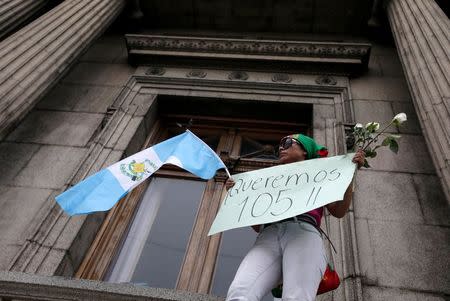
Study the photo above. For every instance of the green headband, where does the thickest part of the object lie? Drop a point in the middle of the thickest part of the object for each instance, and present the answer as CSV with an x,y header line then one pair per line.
x,y
313,150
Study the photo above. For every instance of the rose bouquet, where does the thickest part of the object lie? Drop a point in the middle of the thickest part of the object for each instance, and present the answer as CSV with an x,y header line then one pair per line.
x,y
366,137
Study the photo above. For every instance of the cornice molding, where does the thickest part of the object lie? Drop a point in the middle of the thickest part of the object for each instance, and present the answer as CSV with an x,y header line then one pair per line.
x,y
141,47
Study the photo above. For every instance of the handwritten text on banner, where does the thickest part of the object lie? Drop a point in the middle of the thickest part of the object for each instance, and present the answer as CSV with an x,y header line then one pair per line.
x,y
283,191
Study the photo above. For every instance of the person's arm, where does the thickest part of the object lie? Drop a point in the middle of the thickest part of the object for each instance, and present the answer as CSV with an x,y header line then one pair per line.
x,y
339,209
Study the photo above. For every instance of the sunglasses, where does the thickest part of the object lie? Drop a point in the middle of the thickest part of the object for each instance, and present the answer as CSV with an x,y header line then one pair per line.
x,y
287,142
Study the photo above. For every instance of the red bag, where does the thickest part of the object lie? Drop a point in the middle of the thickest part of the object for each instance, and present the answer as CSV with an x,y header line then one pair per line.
x,y
330,280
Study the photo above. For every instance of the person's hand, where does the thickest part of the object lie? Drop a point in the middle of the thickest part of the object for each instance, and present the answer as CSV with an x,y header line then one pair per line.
x,y
359,158
229,183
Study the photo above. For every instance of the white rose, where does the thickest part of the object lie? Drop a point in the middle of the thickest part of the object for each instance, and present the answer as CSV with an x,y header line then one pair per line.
x,y
399,118
358,126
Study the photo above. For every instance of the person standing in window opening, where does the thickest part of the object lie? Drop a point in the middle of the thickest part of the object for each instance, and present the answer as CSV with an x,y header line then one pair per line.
x,y
290,250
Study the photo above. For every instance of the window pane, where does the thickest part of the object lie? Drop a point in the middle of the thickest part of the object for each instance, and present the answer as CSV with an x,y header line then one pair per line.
x,y
156,243
212,141
252,148
235,245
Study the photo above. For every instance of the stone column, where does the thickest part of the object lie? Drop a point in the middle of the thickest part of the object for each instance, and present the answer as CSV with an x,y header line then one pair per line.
x,y
422,33
14,13
33,59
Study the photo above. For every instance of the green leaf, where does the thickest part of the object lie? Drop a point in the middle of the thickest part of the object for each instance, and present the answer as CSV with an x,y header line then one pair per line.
x,y
357,130
371,127
277,292
360,139
369,153
393,146
386,141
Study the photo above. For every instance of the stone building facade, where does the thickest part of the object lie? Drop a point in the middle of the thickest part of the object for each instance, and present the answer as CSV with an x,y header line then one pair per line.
x,y
89,82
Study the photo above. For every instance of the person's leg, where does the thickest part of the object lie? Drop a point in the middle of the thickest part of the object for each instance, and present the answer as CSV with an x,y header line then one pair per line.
x,y
304,262
260,270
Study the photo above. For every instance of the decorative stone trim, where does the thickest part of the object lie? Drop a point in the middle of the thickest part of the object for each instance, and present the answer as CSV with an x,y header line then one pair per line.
x,y
326,80
311,52
155,71
250,47
109,113
281,78
238,75
196,73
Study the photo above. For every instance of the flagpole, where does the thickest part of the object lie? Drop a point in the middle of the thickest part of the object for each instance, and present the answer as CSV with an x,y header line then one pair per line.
x,y
228,173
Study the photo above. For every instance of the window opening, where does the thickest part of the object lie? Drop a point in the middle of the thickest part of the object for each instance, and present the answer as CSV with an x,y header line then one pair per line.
x,y
161,248
156,242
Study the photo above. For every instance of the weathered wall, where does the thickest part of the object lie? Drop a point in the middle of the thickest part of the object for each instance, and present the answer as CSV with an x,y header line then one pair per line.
x,y
402,217
44,151
401,214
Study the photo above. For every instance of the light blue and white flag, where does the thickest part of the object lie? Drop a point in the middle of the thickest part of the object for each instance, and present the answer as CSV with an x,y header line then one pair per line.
x,y
101,191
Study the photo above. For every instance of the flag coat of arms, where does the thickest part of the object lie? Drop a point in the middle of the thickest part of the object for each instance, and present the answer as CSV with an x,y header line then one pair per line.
x,y
102,190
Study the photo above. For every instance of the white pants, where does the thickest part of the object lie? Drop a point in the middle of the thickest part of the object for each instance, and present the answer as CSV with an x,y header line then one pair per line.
x,y
288,251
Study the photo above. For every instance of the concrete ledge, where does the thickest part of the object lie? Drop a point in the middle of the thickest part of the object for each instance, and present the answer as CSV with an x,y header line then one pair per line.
x,y
23,286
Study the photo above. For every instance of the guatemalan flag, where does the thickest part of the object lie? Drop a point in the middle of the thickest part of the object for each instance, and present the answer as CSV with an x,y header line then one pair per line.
x,y
101,191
